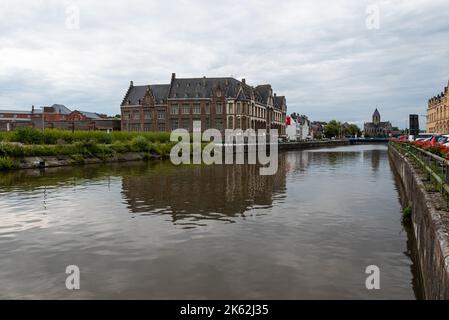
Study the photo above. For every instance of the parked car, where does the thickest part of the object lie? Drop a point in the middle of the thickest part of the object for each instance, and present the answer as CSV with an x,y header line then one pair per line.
x,y
426,136
444,139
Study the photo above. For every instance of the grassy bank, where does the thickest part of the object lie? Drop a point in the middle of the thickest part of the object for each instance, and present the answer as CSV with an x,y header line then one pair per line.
x,y
78,145
56,136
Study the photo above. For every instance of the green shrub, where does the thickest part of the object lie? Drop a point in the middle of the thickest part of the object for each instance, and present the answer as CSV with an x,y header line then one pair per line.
x,y
56,136
84,147
139,144
407,215
162,149
28,136
7,136
7,163
13,150
120,147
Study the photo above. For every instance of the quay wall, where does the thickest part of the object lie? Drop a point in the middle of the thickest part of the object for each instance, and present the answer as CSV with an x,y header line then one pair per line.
x,y
430,226
312,144
58,161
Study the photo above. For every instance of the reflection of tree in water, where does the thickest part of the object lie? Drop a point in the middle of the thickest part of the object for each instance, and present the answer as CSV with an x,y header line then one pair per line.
x,y
332,158
203,192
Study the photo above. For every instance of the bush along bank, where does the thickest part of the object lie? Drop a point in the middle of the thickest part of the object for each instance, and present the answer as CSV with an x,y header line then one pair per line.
x,y
30,148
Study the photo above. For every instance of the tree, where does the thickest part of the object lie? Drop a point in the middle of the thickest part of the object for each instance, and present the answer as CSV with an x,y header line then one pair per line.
x,y
337,129
352,130
332,129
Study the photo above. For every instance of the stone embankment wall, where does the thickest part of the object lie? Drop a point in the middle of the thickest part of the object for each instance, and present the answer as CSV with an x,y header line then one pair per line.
x,y
312,144
59,161
430,226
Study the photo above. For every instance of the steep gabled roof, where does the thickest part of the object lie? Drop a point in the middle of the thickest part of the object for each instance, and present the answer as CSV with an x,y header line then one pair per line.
x,y
279,101
90,115
263,91
61,109
203,87
136,93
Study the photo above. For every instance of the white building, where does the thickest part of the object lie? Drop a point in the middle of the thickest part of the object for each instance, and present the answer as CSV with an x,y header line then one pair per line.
x,y
293,129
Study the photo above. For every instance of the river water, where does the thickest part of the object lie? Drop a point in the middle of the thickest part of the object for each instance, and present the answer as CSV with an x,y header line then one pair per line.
x,y
155,230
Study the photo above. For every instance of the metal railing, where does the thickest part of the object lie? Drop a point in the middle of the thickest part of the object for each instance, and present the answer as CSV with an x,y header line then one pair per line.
x,y
434,167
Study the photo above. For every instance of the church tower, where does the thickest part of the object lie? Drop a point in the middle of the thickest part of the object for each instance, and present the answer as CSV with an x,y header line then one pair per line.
x,y
376,117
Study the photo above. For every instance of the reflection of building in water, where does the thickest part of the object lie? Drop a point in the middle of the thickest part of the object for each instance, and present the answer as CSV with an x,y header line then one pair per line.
x,y
297,161
375,160
204,192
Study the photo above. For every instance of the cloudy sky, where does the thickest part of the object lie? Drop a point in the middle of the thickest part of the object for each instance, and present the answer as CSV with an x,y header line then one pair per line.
x,y
331,59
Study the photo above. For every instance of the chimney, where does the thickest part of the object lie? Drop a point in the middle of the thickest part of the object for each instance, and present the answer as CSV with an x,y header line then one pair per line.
x,y
244,81
204,81
131,83
173,76
275,95
32,108
226,82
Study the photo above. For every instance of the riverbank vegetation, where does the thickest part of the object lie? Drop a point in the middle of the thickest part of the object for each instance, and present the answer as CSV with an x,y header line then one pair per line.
x,y
6,163
56,136
406,215
78,145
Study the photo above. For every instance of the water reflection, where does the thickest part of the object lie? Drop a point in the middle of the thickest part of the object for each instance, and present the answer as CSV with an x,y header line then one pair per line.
x,y
204,192
153,230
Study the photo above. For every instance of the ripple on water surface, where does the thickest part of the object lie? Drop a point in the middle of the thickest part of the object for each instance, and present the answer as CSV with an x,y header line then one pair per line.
x,y
160,231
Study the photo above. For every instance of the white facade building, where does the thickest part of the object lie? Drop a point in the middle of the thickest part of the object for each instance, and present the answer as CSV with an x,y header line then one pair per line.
x,y
293,130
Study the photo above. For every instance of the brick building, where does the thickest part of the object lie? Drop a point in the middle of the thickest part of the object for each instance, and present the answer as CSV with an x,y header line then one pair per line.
x,y
12,119
438,113
221,103
56,116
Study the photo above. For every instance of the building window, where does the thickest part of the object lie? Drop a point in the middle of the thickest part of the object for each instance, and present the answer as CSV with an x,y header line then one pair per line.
x,y
239,108
219,109
136,115
230,108
161,115
230,123
174,109
207,108
174,124
147,128
185,109
161,127
185,124
147,115
196,108
219,124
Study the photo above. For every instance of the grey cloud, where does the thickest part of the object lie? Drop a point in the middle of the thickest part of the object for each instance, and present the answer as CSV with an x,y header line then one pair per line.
x,y
317,53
